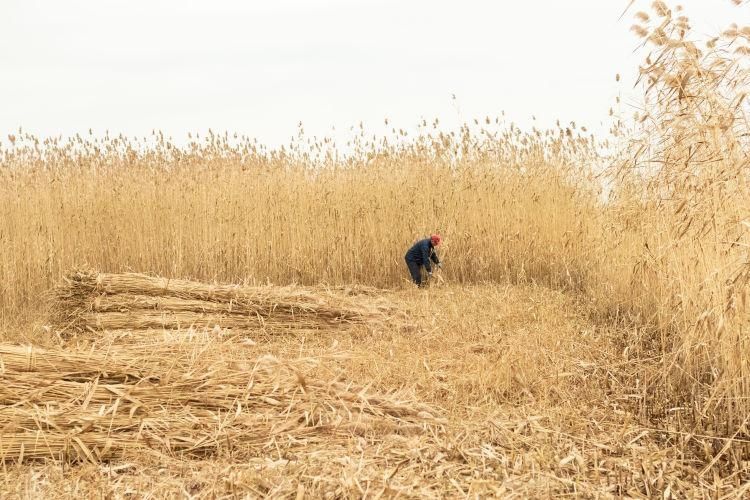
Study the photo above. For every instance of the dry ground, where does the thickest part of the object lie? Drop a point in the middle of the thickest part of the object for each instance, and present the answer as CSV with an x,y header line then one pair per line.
x,y
537,401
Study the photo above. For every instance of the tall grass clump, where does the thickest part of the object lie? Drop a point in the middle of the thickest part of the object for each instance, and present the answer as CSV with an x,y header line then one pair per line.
x,y
681,213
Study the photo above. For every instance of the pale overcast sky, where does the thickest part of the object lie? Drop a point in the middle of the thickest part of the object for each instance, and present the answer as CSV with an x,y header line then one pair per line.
x,y
259,68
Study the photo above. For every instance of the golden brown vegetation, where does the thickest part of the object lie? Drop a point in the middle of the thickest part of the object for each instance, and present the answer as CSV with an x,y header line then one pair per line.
x,y
526,397
682,211
637,385
89,301
233,212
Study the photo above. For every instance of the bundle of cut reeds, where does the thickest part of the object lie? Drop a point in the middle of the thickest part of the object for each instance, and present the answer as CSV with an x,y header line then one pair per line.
x,y
92,301
165,399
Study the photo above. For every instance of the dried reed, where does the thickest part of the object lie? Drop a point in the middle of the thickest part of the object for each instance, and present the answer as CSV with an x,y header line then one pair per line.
x,y
91,301
62,404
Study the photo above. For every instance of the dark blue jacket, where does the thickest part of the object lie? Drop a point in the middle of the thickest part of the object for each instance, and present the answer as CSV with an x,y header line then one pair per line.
x,y
421,253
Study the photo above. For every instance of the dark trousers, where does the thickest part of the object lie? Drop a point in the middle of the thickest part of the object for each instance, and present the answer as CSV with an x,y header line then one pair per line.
x,y
416,271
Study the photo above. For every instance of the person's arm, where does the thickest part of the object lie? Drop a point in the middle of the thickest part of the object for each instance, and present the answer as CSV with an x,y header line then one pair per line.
x,y
434,257
426,255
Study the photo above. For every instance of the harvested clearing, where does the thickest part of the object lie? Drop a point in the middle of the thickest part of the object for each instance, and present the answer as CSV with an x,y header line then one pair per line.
x,y
527,398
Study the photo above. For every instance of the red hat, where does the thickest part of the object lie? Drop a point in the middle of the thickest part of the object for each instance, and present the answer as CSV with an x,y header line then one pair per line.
x,y
435,239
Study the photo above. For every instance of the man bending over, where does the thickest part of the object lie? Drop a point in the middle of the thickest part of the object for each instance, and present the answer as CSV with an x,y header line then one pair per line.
x,y
421,254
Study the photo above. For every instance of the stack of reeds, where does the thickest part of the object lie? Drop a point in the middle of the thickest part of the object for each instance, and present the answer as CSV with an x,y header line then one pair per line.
x,y
170,399
92,301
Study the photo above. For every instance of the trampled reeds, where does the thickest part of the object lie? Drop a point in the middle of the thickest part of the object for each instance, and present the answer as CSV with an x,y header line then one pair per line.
x,y
557,433
91,301
61,404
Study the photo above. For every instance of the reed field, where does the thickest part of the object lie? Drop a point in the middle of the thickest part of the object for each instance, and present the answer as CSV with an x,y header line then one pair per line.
x,y
217,318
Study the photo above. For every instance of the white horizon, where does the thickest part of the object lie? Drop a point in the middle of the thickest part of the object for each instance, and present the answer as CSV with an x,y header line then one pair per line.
x,y
260,69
